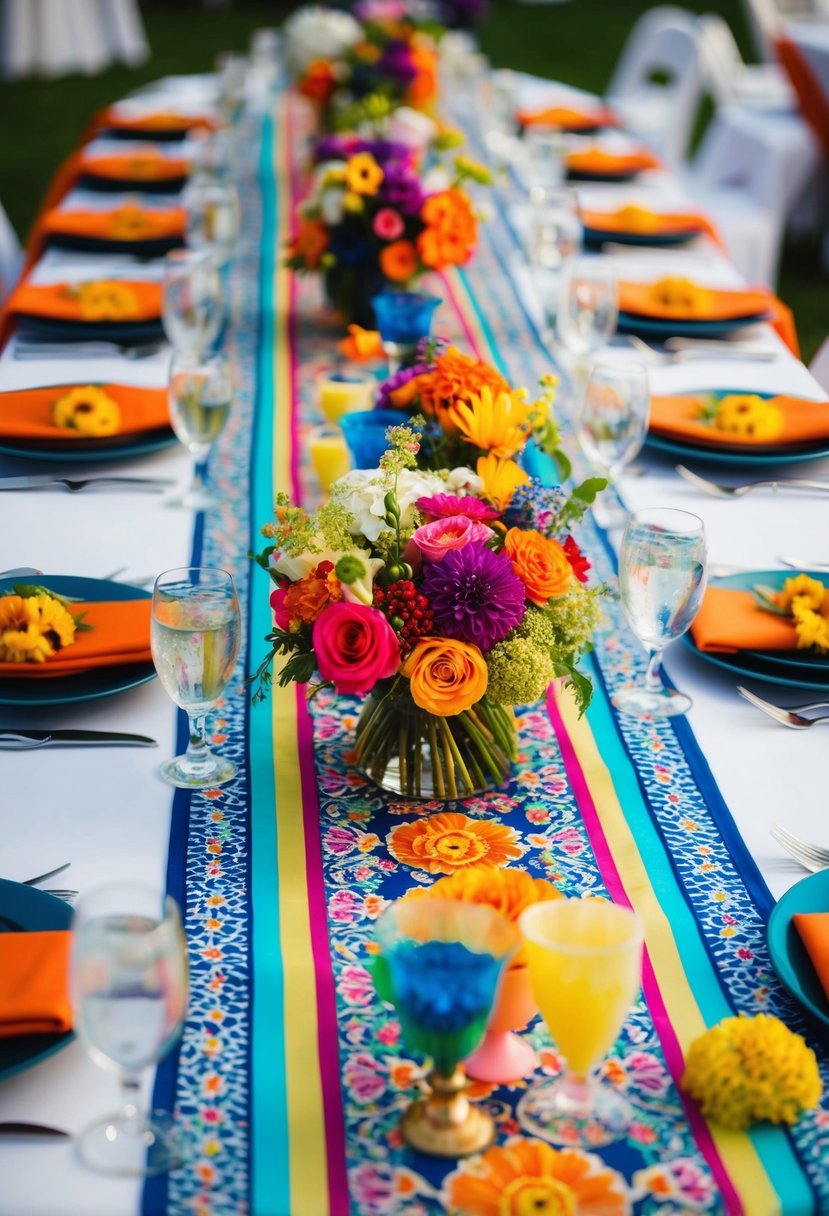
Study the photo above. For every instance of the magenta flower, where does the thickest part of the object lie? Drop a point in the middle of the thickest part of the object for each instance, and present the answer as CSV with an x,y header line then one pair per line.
x,y
439,506
388,224
355,646
281,618
474,596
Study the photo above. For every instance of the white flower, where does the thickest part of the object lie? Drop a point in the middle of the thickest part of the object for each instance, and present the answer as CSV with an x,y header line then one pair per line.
x,y
358,591
331,205
315,32
362,493
436,180
410,127
463,481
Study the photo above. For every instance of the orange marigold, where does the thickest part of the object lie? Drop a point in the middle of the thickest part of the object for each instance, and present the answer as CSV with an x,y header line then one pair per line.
x,y
310,243
451,231
398,261
449,841
540,563
319,82
305,599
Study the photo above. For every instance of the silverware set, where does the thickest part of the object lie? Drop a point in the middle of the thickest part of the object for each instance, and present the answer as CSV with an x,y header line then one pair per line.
x,y
718,490
63,893
85,350
792,716
812,857
45,481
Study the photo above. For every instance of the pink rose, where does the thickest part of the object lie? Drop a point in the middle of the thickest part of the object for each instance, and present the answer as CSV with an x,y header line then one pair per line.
x,y
388,224
437,538
281,617
355,646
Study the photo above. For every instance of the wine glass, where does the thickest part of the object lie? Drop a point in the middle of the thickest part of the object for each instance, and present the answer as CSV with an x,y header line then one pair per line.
x,y
542,164
192,300
612,421
585,961
662,582
213,216
200,394
588,307
555,237
128,980
195,634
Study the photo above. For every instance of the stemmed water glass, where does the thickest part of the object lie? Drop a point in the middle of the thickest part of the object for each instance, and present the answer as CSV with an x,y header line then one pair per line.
x,y
585,961
555,236
662,574
213,216
200,395
192,305
612,421
129,992
588,306
196,634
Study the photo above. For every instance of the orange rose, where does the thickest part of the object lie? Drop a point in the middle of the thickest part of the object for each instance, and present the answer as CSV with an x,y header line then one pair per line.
x,y
541,564
398,261
446,676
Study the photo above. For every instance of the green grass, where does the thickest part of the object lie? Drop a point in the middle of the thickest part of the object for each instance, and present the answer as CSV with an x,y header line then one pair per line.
x,y
41,122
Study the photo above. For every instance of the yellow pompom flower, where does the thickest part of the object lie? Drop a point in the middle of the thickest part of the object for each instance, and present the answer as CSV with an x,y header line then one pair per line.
x,y
681,296
810,591
88,410
749,416
362,174
745,1070
497,423
34,628
812,629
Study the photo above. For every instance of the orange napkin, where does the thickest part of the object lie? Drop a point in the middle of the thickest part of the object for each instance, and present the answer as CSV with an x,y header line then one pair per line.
x,y
128,223
800,421
120,635
642,222
566,118
103,300
27,413
813,928
709,304
164,121
608,164
34,995
730,621
145,165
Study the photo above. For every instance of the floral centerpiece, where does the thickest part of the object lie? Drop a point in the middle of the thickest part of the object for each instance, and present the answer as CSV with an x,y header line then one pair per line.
x,y
370,220
445,600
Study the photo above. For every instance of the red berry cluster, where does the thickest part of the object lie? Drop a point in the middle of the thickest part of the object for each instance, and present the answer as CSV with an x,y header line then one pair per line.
x,y
408,612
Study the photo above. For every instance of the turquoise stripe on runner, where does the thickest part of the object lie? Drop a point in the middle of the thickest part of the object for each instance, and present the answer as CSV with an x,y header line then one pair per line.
x,y
270,1180
772,1144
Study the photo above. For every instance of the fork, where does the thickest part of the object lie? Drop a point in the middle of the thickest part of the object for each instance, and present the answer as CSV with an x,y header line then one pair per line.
x,y
802,563
811,856
84,350
792,717
758,354
721,491
74,484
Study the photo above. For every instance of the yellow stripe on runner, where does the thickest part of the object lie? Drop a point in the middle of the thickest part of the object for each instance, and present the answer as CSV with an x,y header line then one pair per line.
x,y
738,1154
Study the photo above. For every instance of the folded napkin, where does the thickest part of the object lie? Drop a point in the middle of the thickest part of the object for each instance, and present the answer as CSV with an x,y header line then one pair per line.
x,y
567,118
34,991
162,122
95,301
675,299
640,221
27,413
145,165
128,223
730,621
813,929
597,162
120,635
743,420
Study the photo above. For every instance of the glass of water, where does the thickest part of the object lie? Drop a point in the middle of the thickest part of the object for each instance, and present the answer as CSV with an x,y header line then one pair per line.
x,y
662,568
555,236
196,633
200,395
192,308
129,992
213,216
588,306
612,421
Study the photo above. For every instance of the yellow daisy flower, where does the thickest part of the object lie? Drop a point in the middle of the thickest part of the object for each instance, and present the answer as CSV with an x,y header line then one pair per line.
x,y
88,410
680,295
106,301
501,478
362,174
34,628
498,423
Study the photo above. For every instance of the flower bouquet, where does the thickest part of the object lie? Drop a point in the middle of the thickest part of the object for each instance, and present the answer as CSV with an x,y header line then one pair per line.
x,y
370,220
443,601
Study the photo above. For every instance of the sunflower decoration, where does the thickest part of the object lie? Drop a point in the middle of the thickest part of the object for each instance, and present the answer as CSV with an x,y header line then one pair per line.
x,y
633,218
87,411
805,600
530,1178
35,624
104,300
748,416
131,223
680,297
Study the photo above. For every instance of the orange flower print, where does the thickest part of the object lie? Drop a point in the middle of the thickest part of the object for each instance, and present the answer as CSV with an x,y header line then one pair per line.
x,y
448,841
398,261
528,1176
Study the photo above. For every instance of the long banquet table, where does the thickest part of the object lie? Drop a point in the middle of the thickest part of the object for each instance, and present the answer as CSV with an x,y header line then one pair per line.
x,y
290,1075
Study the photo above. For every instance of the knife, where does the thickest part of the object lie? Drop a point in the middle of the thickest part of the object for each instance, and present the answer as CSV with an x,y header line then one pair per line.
x,y
31,1129
48,479
11,737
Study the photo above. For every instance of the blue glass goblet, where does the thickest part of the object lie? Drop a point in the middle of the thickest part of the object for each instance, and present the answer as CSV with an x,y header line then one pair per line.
x,y
403,318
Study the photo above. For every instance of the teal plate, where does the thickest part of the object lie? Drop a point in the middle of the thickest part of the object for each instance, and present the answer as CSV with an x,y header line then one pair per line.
x,y
142,445
27,910
655,327
788,954
799,671
87,685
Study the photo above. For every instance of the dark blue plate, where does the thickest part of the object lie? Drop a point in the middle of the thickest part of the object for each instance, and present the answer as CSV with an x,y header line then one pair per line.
x,y
596,237
155,248
628,175
25,909
653,327
786,950
86,685
798,670
128,333
117,185
170,135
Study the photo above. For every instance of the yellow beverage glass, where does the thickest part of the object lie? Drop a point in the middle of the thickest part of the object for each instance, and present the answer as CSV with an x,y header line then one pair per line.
x,y
329,455
585,960
343,392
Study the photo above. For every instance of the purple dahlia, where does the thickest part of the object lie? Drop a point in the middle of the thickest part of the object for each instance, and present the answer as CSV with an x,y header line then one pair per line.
x,y
474,595
401,188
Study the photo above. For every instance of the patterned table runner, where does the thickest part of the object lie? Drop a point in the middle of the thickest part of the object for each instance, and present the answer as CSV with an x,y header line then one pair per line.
x,y
291,1075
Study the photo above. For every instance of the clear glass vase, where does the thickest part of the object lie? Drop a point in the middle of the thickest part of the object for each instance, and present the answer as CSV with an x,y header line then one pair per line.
x,y
417,754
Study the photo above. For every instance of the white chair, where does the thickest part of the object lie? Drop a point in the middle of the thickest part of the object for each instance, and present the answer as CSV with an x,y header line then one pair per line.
x,y
819,367
729,79
750,171
656,86
123,30
56,37
11,256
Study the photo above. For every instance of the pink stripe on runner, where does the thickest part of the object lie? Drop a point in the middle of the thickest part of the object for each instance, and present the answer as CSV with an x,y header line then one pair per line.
x,y
650,986
453,298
